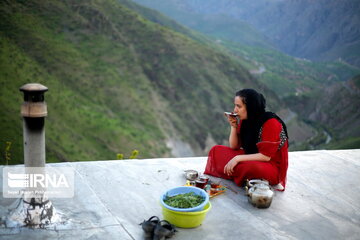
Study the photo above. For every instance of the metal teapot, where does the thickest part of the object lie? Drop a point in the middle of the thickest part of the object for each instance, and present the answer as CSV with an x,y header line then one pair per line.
x,y
259,193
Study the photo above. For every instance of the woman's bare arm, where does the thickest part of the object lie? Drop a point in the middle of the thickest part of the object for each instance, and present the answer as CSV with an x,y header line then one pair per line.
x,y
233,137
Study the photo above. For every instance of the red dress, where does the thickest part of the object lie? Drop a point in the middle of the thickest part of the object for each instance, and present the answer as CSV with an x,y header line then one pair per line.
x,y
273,143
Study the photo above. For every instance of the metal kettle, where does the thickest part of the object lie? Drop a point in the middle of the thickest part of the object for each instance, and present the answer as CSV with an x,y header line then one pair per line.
x,y
259,193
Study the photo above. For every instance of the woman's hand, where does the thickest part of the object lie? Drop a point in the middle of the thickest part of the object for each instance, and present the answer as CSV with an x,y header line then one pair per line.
x,y
229,167
232,120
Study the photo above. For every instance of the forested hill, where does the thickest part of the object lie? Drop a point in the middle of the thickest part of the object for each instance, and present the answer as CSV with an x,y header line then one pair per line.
x,y
117,82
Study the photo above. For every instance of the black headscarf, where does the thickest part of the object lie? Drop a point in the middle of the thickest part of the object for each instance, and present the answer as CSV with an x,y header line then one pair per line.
x,y
256,117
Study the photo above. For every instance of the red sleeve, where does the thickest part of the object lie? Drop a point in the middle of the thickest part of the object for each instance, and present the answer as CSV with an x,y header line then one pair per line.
x,y
270,138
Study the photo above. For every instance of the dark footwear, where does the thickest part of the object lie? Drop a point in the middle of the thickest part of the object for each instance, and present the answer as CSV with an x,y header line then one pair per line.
x,y
163,230
149,227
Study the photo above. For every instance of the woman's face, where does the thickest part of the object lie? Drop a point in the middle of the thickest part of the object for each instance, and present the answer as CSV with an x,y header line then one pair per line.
x,y
240,108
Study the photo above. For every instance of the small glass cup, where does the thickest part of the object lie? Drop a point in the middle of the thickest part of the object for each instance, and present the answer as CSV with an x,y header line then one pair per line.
x,y
200,183
204,178
215,184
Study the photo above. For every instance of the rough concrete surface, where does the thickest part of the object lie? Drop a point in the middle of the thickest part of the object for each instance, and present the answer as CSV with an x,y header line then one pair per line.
x,y
321,201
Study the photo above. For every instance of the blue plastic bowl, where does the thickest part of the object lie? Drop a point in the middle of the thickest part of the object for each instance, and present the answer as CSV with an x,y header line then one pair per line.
x,y
181,190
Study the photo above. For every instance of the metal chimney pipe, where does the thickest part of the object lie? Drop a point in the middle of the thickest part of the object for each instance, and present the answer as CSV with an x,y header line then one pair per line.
x,y
36,211
34,111
33,210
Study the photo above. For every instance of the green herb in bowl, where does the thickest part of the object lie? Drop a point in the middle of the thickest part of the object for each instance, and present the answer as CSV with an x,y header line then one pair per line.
x,y
185,200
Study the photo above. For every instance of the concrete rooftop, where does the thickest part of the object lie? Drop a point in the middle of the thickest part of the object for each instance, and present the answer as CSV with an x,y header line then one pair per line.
x,y
322,201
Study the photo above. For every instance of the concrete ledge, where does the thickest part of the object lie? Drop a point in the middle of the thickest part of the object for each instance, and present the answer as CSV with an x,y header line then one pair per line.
x,y
322,201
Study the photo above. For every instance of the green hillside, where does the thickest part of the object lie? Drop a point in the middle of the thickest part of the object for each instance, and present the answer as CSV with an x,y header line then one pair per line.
x,y
117,82
287,75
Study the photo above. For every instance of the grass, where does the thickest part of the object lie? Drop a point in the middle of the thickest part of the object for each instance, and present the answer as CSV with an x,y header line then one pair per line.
x,y
117,82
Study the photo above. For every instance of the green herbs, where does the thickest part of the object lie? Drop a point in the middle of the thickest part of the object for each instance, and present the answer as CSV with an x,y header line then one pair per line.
x,y
185,200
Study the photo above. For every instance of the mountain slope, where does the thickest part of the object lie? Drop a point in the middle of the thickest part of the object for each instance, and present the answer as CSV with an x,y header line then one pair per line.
x,y
287,75
316,30
117,82
336,110
299,81
219,25
283,74
274,78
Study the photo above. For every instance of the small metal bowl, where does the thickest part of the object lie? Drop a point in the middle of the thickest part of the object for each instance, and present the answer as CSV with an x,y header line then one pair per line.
x,y
191,175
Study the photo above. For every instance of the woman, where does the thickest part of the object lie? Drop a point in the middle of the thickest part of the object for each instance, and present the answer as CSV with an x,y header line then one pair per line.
x,y
258,144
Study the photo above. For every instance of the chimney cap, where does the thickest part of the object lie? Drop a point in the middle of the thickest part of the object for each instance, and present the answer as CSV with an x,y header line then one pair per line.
x,y
33,87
